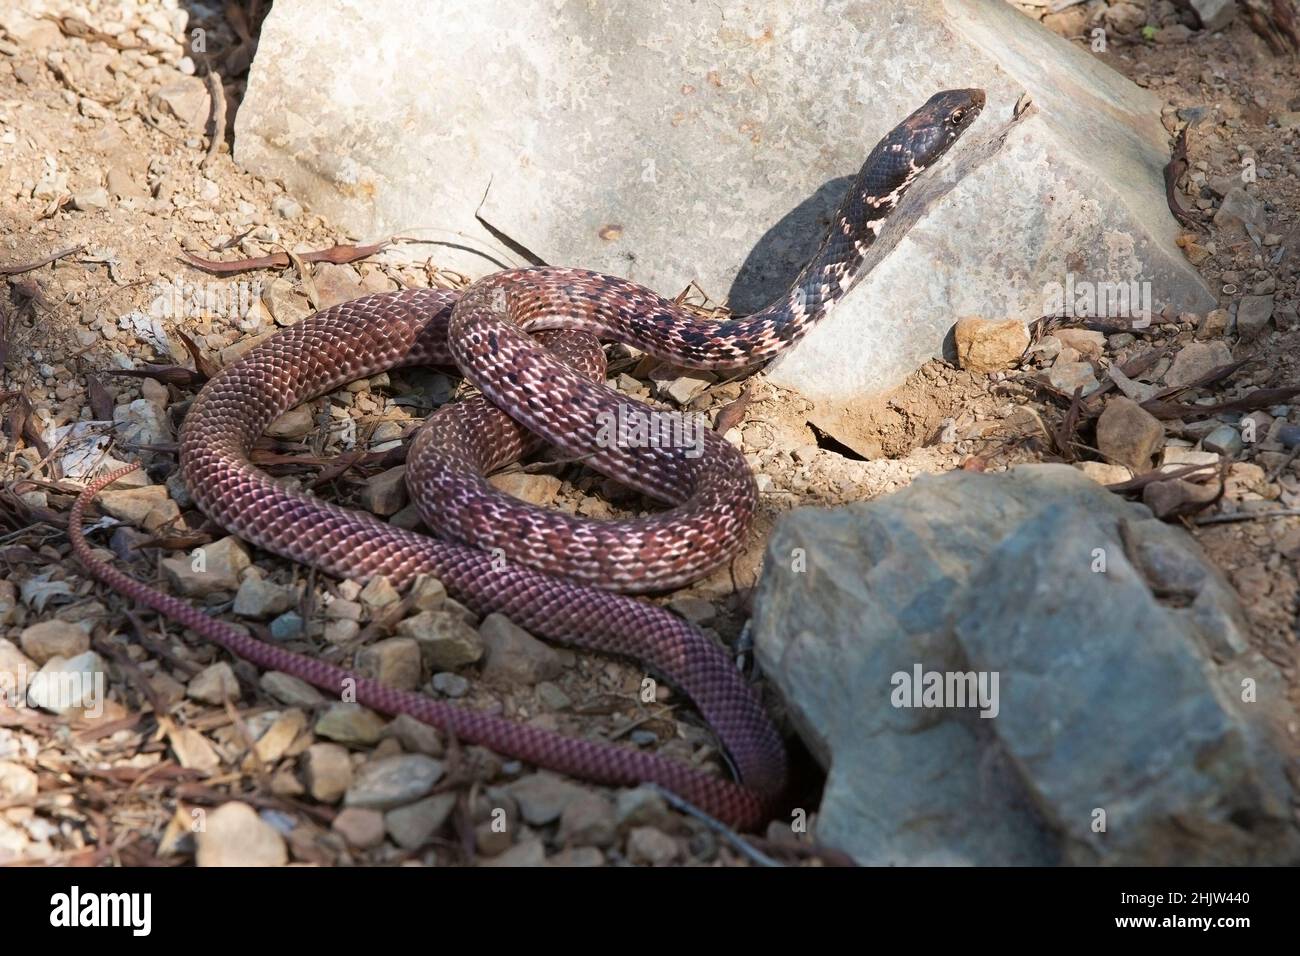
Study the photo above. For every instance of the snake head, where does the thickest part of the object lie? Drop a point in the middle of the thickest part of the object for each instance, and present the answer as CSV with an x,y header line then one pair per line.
x,y
924,136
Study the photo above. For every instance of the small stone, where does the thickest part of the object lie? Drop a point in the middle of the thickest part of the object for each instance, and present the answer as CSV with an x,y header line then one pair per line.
x,y
392,781
1224,440
490,841
514,655
445,641
577,856
542,796
295,423
986,346
90,200
287,627
588,820
552,697
327,771
535,489
187,100
53,638
214,685
395,662
412,826
1165,498
385,493
284,303
427,593
449,684
350,724
1128,434
1240,209
640,807
415,736
1215,14
363,829
379,593
1213,325
234,835
1253,314
1069,376
193,751
1195,360
1103,473
121,185
694,609
148,507
17,782
529,852
286,208
650,846
16,670
342,631
291,691
259,598
209,569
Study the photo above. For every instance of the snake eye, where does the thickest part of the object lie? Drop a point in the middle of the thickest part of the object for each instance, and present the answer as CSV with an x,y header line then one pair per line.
x,y
957,115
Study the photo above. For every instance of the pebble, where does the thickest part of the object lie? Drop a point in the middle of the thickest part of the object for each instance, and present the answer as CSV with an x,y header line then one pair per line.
x,y
1128,434
379,593
650,846
214,685
395,662
207,570
52,688
1103,473
552,696
1164,498
445,641
1224,440
412,826
90,200
543,796
234,835
514,655
385,493
286,208
535,489
53,638
1213,324
449,684
588,820
393,781
640,806
1068,376
148,507
1253,314
327,771
295,423
1195,360
350,724
984,345
415,736
363,829
529,852
291,691
427,593
287,627
260,598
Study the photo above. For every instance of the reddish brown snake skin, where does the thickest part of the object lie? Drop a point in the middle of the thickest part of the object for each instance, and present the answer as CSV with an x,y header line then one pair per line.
x,y
551,385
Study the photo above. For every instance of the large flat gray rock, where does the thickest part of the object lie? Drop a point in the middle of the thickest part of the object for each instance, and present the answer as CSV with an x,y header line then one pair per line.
x,y
689,141
1120,656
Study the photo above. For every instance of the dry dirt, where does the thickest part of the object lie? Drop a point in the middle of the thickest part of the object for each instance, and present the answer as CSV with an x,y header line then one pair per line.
x,y
79,115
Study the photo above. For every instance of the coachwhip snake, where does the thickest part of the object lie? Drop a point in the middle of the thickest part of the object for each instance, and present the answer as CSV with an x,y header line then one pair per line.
x,y
529,339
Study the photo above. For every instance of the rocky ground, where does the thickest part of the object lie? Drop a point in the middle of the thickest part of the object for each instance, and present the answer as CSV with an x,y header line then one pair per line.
x,y
107,162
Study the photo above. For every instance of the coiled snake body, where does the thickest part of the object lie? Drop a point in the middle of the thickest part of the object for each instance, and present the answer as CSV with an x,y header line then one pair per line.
x,y
529,339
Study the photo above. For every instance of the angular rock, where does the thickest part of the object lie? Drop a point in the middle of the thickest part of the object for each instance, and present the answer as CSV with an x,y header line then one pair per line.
x,y
53,638
543,796
291,691
1224,440
1253,314
985,345
392,781
1067,377
515,655
1128,434
444,639
732,117
327,772
363,829
67,686
411,826
234,835
260,598
350,724
395,662
385,494
651,847
209,569
214,685
1119,653
1196,360
1215,14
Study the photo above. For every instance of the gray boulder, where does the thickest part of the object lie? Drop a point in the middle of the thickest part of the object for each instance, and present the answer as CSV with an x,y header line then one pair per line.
x,y
683,141
1128,721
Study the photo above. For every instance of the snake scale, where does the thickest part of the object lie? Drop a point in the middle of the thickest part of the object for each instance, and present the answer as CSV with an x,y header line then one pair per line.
x,y
529,339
